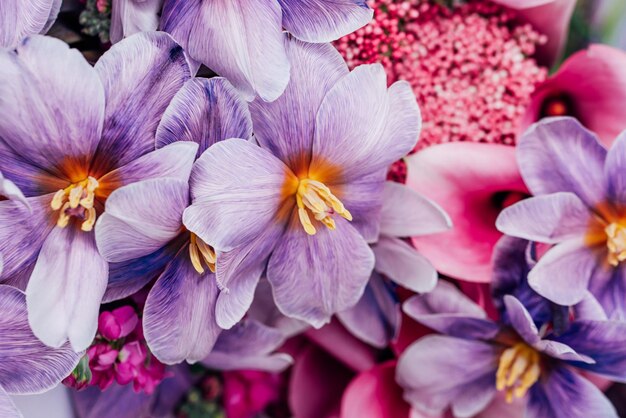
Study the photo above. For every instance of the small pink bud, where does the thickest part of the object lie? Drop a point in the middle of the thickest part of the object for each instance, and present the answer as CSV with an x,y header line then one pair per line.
x,y
118,323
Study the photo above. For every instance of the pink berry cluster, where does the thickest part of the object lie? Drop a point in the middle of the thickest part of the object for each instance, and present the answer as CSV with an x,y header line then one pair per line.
x,y
119,353
471,66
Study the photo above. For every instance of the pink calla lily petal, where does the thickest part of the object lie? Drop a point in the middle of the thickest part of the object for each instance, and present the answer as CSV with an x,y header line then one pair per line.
x,y
471,182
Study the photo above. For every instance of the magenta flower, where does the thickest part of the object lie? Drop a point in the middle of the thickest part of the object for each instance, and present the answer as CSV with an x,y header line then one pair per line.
x,y
119,354
19,19
578,207
248,392
303,203
179,315
117,323
86,132
28,366
472,183
590,86
549,17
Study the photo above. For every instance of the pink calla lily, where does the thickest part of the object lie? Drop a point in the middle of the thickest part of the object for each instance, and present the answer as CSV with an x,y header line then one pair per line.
x,y
472,182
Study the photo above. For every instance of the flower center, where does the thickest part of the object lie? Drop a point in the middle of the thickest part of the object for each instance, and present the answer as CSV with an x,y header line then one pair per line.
x,y
313,196
517,371
76,200
200,253
616,243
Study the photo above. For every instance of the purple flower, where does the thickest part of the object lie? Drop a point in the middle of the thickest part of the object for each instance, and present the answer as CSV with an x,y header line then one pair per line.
x,y
28,366
19,19
243,40
579,207
375,319
303,203
521,356
143,222
71,134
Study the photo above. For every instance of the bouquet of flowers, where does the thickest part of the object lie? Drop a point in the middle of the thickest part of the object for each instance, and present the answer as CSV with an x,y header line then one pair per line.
x,y
312,209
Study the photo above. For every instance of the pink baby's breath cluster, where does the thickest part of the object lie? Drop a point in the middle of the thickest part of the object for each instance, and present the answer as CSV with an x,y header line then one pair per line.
x,y
471,67
119,353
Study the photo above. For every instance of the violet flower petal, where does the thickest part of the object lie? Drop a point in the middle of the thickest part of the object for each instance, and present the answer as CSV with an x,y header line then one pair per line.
x,y
549,219
615,171
238,272
560,155
52,119
510,277
141,218
316,276
564,393
118,401
241,40
406,213
236,187
375,319
131,16
564,272
608,284
23,232
19,19
603,341
205,111
128,277
371,126
63,305
179,316
174,161
470,369
9,190
448,311
324,20
140,75
315,70
7,407
248,345
28,366
400,262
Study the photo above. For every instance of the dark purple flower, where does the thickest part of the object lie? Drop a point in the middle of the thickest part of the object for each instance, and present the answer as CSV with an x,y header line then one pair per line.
x,y
375,319
579,207
522,356
303,203
19,19
28,366
146,218
71,134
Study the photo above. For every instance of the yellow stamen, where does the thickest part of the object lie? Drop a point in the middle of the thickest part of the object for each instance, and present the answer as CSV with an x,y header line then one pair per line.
x,y
76,200
64,218
315,197
199,253
90,220
616,243
518,370
194,255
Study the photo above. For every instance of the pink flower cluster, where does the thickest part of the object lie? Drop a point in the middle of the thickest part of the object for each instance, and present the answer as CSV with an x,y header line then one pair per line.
x,y
248,392
119,353
471,67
